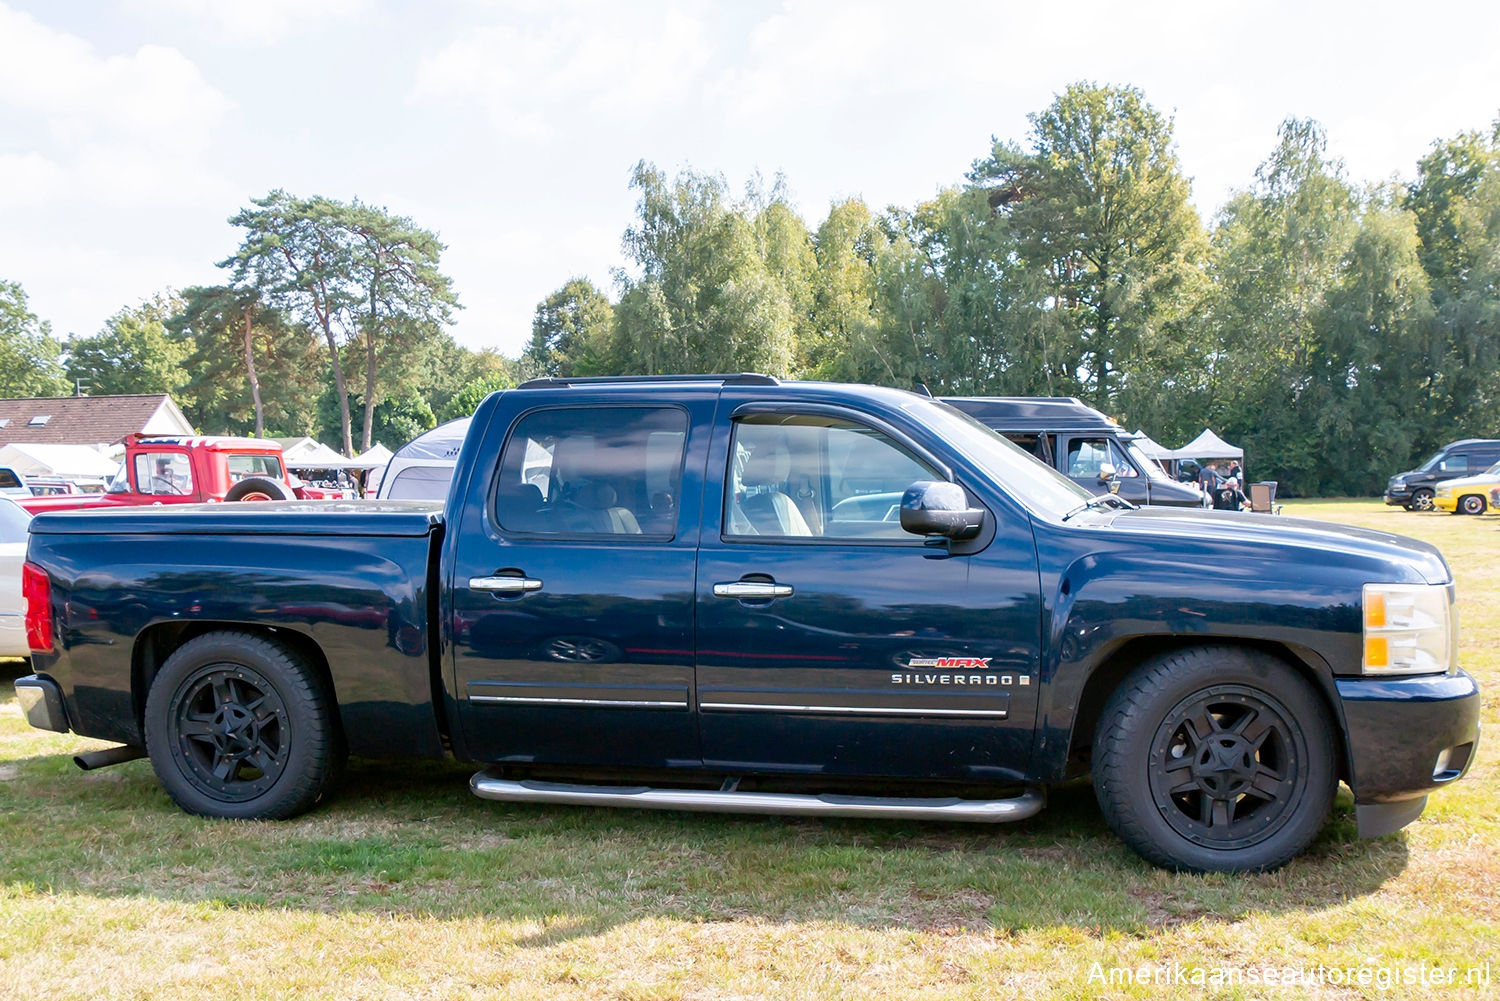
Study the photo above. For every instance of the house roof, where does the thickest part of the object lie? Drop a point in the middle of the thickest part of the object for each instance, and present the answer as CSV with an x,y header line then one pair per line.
x,y
89,420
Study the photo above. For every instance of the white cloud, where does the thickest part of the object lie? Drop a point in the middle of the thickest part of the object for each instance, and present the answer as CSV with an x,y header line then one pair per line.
x,y
260,22
533,77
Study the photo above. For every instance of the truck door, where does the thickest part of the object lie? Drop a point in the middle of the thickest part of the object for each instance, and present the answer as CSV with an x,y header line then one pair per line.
x,y
572,587
829,640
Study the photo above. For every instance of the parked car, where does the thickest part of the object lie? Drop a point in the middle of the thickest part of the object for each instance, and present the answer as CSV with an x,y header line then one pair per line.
x,y
1415,490
162,469
1082,444
12,483
734,594
1495,499
1467,494
56,486
14,522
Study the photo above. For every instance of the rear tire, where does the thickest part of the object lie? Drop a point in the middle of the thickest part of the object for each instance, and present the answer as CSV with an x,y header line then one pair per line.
x,y
238,727
1215,759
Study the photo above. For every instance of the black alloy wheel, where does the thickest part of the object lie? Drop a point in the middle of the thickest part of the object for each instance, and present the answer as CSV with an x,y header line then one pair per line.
x,y
237,725
232,732
1215,759
1224,767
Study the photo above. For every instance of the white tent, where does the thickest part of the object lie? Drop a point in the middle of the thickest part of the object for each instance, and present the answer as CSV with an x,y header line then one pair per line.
x,y
423,467
1209,446
375,456
1160,453
309,454
70,462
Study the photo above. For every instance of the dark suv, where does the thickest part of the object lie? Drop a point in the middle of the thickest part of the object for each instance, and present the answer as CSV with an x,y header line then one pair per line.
x,y
1082,444
1413,490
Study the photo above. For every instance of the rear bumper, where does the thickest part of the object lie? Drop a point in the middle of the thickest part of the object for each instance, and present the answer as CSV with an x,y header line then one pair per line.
x,y
42,702
1406,737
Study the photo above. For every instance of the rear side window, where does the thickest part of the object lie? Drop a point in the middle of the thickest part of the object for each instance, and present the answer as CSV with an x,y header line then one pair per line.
x,y
9,480
241,466
598,471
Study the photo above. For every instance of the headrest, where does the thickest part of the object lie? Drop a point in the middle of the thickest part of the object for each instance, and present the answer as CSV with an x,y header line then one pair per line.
x,y
768,464
596,495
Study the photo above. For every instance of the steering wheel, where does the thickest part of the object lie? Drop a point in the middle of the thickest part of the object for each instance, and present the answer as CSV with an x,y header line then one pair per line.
x,y
161,485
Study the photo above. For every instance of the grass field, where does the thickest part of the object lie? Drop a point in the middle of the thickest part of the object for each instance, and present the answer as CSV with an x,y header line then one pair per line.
x,y
405,886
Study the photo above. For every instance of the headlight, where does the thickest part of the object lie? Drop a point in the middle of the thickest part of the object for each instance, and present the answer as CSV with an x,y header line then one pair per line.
x,y
1445,491
1409,629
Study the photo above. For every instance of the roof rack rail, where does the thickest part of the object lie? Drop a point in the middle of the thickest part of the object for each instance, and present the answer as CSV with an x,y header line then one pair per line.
x,y
735,379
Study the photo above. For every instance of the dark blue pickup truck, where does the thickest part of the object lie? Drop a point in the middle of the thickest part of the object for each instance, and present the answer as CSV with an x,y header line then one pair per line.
x,y
729,593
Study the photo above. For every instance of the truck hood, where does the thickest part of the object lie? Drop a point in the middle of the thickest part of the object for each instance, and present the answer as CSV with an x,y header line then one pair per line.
x,y
1482,481
1297,539
249,518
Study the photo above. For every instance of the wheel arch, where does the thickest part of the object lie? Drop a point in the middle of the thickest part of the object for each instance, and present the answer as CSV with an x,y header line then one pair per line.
x,y
1113,669
158,642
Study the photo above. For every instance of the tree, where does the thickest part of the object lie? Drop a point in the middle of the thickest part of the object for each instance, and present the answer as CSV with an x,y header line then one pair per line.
x,y
246,352
354,273
704,298
28,353
133,353
845,318
407,299
1099,206
571,332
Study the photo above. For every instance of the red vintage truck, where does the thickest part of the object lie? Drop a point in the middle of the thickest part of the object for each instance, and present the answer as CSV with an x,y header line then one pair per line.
x,y
190,470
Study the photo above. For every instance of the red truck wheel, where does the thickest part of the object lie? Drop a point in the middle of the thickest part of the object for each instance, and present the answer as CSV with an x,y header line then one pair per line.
x,y
259,488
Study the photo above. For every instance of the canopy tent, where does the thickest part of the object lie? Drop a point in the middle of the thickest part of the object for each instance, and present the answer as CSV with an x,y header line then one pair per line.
x,y
374,457
423,467
69,462
1209,446
310,454
1160,453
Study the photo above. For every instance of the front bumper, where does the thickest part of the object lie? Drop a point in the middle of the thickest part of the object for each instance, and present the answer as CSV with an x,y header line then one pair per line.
x,y
1398,495
42,702
1443,502
1406,737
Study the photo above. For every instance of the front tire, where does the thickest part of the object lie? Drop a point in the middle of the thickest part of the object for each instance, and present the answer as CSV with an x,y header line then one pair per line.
x,y
238,727
1215,759
1471,504
1421,500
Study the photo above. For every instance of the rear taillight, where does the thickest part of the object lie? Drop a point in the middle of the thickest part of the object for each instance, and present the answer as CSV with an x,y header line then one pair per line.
x,y
36,587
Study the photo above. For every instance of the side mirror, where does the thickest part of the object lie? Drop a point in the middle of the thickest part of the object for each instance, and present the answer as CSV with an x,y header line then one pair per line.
x,y
1106,473
930,507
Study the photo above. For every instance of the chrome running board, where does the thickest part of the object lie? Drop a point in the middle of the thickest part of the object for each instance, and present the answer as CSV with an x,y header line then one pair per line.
x,y
728,800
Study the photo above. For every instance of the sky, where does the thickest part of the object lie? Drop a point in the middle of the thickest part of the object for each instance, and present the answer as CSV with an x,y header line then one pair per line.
x,y
131,130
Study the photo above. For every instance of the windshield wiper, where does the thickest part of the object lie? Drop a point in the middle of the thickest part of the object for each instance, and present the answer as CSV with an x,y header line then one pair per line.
x,y
1101,500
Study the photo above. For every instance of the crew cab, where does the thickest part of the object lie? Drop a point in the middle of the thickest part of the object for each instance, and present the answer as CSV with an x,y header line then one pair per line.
x,y
160,469
730,593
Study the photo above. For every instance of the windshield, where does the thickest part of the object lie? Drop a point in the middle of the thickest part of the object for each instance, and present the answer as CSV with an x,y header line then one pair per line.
x,y
120,482
1431,463
1025,477
1149,465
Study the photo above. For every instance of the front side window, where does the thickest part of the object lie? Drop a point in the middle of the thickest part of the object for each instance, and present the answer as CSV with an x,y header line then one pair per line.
x,y
817,478
164,473
593,471
1087,458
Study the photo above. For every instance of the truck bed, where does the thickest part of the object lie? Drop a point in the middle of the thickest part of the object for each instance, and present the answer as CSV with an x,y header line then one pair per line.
x,y
353,581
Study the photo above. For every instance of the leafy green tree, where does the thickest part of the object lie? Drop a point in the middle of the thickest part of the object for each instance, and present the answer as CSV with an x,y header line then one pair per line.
x,y
135,352
571,333
28,352
703,297
352,272
845,316
467,400
1099,211
251,368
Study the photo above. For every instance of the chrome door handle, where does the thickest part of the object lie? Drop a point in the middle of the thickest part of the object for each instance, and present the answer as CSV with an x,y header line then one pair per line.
x,y
505,585
752,589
